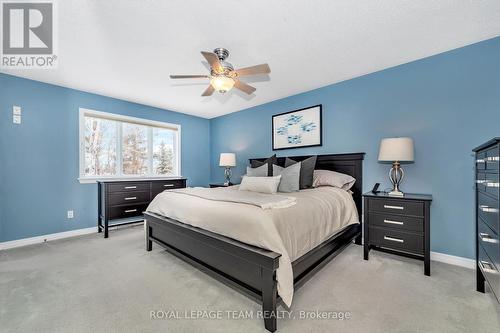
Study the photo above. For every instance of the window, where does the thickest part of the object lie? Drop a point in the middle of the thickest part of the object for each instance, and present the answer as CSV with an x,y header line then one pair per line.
x,y
113,146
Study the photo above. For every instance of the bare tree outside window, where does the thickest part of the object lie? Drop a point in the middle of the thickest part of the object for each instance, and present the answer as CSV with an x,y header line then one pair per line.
x,y
100,147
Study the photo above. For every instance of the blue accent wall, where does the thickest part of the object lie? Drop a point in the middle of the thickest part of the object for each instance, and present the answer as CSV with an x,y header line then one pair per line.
x,y
39,158
448,104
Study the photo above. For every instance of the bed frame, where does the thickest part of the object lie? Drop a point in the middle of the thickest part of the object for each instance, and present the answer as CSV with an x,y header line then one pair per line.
x,y
250,269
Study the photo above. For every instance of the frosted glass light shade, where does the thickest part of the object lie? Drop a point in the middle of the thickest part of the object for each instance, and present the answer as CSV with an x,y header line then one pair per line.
x,y
222,83
227,160
396,149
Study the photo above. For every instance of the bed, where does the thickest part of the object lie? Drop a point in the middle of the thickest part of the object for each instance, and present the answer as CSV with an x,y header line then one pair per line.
x,y
264,270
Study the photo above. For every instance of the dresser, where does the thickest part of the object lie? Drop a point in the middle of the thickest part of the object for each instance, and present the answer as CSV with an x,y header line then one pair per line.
x,y
399,225
487,216
122,202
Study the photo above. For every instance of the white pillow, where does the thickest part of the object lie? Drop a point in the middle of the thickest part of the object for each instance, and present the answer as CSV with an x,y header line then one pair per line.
x,y
332,178
260,184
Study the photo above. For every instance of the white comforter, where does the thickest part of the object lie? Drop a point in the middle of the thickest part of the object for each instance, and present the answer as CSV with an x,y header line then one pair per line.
x,y
292,232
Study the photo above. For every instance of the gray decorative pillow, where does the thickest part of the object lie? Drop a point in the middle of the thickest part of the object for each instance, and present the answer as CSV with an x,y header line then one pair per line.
x,y
261,171
290,177
306,170
270,161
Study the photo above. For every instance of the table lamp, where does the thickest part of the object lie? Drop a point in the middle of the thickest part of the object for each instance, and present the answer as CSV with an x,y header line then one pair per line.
x,y
396,151
227,160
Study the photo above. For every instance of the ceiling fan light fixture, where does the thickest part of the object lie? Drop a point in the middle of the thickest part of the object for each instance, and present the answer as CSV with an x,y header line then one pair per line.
x,y
222,83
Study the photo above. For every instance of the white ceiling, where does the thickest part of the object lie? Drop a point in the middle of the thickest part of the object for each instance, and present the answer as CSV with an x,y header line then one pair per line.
x,y
127,48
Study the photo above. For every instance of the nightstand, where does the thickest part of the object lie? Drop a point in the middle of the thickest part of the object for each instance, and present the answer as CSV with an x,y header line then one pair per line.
x,y
398,225
220,185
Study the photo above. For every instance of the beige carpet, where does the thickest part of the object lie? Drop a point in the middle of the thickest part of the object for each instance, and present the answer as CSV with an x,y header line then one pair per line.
x,y
89,284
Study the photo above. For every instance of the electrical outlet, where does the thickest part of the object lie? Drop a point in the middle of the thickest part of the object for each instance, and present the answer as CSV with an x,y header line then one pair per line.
x,y
70,214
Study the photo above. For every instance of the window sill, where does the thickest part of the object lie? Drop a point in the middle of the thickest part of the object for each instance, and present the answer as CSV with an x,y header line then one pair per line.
x,y
121,179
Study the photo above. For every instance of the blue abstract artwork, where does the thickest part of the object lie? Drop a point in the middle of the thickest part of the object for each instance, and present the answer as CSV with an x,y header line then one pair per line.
x,y
300,128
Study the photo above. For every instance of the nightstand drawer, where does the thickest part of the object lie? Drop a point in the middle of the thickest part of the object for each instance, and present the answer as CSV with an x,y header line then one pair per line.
x,y
488,210
116,212
124,198
397,240
128,187
394,206
397,222
489,240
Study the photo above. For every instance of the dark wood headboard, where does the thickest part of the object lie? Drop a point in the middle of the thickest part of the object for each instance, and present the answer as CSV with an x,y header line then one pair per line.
x,y
351,164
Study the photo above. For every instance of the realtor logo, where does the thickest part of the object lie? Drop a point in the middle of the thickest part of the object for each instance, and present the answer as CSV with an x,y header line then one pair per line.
x,y
28,35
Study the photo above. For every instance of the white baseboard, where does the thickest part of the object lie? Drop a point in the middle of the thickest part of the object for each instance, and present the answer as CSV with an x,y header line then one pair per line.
x,y
453,260
46,238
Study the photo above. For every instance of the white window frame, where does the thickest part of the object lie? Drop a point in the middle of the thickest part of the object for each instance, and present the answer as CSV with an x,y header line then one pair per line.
x,y
140,121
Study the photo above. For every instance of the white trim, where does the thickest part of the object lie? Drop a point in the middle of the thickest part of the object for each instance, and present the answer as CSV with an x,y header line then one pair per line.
x,y
453,260
120,119
46,238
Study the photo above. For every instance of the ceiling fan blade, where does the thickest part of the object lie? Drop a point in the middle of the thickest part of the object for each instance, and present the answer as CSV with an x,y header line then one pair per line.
x,y
254,70
244,87
213,60
188,76
209,91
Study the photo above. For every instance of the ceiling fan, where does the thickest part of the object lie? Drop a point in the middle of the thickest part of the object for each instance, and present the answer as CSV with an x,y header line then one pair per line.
x,y
223,77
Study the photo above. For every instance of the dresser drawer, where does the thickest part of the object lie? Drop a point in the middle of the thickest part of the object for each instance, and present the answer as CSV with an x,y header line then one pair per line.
x,y
481,182
160,186
115,212
128,187
491,184
488,210
481,160
489,240
490,271
124,198
397,222
398,240
492,158
394,206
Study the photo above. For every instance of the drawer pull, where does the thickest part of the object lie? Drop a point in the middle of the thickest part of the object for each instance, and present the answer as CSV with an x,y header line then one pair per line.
x,y
490,268
488,184
392,239
393,222
168,185
480,160
394,207
131,198
480,181
493,159
487,238
130,187
488,209
131,210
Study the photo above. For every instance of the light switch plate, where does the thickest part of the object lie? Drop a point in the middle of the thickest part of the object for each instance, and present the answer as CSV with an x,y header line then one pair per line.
x,y
16,110
70,214
16,119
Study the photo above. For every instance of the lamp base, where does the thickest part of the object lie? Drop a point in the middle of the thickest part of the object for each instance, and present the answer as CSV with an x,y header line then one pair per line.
x,y
396,175
396,194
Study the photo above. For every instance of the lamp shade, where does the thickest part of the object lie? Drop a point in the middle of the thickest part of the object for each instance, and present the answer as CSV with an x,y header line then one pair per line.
x,y
227,160
396,149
